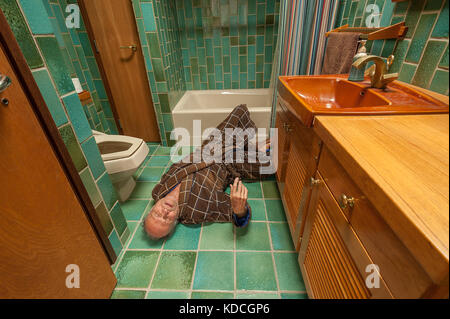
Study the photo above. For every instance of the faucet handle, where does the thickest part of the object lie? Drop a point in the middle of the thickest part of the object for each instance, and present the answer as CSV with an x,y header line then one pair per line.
x,y
388,78
389,61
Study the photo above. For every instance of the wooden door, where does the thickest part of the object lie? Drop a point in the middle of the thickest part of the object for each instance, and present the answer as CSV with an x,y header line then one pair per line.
x,y
43,227
112,25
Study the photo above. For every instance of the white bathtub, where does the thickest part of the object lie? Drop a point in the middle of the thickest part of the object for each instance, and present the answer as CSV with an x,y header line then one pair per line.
x,y
213,106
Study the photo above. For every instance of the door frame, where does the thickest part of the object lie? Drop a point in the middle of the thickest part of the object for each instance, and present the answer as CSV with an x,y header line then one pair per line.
x,y
40,109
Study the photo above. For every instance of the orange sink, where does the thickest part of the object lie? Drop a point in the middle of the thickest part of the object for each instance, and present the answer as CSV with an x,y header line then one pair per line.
x,y
307,96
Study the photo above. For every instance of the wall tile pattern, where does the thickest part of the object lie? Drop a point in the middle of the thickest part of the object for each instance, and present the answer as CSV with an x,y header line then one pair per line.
x,y
159,35
422,57
227,44
84,66
204,44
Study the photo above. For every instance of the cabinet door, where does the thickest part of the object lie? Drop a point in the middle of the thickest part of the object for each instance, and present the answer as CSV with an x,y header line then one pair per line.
x,y
332,260
283,142
296,192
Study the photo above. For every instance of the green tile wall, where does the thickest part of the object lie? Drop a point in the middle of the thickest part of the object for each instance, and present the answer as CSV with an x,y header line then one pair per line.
x,y
81,57
160,41
23,36
203,45
227,44
51,57
173,88
422,57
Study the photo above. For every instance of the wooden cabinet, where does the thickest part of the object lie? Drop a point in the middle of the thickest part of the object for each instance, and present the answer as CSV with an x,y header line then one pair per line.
x,y
344,234
342,239
298,155
281,125
332,259
397,266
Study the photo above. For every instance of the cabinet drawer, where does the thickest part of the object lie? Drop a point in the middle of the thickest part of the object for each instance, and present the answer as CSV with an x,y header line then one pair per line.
x,y
401,272
332,259
339,182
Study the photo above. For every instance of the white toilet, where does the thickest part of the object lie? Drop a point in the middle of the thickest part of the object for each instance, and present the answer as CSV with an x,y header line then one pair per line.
x,y
122,156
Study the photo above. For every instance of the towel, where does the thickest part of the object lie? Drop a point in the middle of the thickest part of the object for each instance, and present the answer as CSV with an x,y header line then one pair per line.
x,y
341,48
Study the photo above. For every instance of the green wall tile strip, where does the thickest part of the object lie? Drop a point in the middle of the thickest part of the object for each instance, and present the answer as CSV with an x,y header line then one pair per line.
x,y
74,57
428,23
22,33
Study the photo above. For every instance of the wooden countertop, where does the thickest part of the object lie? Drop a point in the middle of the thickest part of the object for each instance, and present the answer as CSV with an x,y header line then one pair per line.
x,y
401,163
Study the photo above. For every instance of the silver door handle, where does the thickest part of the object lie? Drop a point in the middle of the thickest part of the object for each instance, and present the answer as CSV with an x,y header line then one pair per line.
x,y
4,82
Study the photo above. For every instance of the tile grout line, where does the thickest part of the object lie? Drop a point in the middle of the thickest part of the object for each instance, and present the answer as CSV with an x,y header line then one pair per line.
x,y
234,263
271,243
160,250
125,249
206,290
154,270
195,263
212,250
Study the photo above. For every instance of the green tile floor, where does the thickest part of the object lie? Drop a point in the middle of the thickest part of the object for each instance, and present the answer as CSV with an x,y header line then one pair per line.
x,y
214,260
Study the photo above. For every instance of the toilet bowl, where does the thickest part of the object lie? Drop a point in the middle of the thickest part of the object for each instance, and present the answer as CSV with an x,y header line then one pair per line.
x,y
122,156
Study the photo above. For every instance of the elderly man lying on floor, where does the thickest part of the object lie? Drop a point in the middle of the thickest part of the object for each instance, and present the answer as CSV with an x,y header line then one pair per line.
x,y
192,191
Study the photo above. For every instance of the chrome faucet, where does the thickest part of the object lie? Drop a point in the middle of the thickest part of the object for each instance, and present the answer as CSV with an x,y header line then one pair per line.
x,y
378,77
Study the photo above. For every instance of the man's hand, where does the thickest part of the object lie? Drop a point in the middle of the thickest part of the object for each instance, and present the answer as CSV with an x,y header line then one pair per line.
x,y
238,196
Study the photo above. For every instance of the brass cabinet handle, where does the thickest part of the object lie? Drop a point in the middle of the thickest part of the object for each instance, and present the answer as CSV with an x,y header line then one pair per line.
x,y
5,82
286,127
346,201
314,182
132,47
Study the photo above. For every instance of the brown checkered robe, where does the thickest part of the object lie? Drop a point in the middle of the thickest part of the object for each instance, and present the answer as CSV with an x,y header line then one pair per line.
x,y
202,192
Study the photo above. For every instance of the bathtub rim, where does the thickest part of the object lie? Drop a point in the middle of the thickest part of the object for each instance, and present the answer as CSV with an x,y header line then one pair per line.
x,y
247,92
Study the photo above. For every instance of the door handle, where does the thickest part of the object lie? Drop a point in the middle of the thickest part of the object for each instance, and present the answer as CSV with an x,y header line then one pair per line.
x,y
132,47
5,81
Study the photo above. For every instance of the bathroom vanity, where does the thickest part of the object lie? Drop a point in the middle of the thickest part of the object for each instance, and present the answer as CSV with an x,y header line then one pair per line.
x,y
366,197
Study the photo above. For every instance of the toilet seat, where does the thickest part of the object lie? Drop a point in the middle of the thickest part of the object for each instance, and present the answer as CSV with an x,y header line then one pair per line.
x,y
126,146
122,156
132,151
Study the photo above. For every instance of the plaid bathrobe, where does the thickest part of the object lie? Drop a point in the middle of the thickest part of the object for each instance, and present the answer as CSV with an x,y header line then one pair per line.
x,y
202,191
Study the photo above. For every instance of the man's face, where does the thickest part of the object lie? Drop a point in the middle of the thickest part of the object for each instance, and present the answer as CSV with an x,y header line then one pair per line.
x,y
162,218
